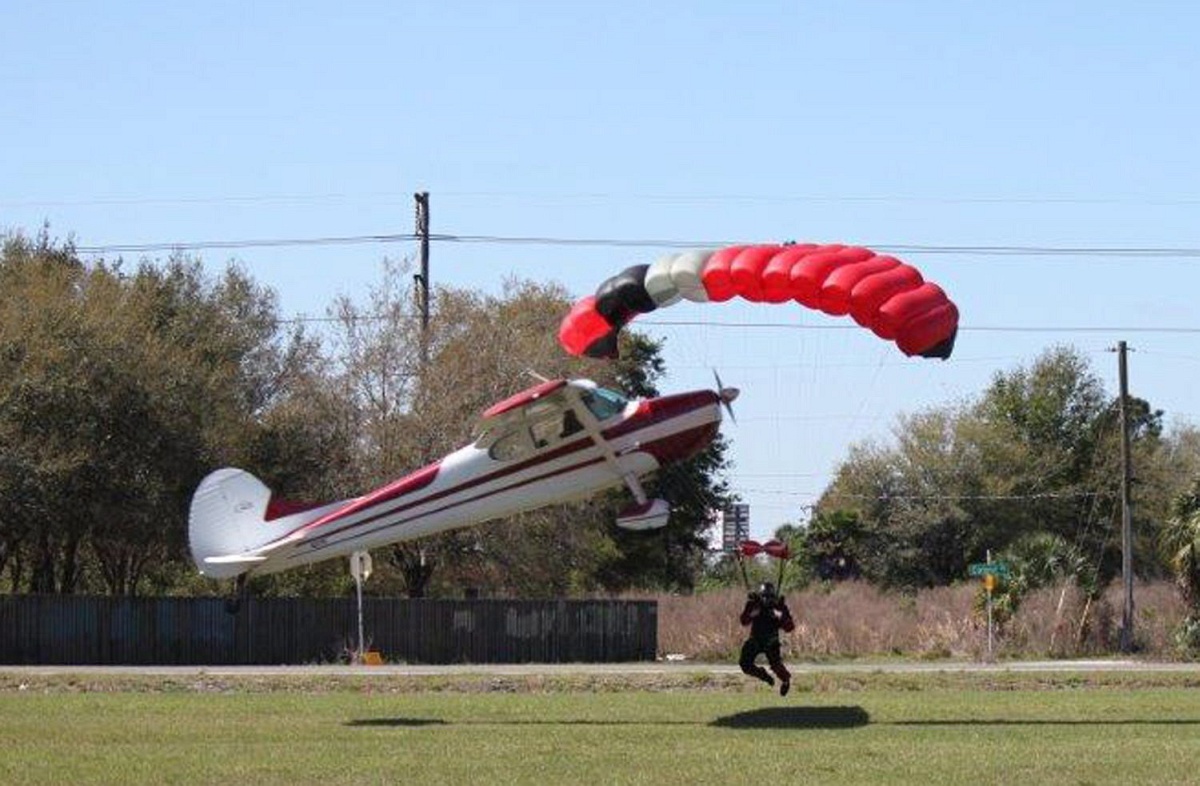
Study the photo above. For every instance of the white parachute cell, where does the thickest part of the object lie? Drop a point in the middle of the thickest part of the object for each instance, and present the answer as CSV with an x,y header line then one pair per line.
x,y
685,273
659,284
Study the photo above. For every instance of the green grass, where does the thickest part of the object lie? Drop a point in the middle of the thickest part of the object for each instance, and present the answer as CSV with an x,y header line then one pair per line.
x,y
872,729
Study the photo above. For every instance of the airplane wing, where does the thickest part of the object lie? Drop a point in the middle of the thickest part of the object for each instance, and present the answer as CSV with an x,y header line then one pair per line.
x,y
550,393
235,559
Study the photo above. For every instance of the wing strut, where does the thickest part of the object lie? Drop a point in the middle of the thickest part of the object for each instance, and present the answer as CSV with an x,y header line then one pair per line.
x,y
645,513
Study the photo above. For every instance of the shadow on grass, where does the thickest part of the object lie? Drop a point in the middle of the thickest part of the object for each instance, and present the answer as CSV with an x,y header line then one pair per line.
x,y
796,718
396,722
777,718
414,722
767,718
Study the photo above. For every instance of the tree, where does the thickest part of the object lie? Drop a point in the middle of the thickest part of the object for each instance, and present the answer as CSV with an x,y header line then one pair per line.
x,y
119,391
1181,547
832,546
1034,453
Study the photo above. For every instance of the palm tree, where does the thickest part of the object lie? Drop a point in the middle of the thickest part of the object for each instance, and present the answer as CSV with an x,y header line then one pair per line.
x,y
1181,546
1043,558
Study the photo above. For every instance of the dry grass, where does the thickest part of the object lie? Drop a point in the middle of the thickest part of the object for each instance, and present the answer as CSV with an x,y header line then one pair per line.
x,y
857,620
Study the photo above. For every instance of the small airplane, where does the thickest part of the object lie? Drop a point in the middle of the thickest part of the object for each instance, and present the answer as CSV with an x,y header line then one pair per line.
x,y
557,441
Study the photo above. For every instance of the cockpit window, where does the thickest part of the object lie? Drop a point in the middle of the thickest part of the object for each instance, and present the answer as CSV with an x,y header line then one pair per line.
x,y
604,403
527,436
512,445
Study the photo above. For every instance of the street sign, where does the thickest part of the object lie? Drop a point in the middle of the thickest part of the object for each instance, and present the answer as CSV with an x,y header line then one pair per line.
x,y
988,569
360,565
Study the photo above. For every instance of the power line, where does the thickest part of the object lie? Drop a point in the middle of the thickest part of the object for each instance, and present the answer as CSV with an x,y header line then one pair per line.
x,y
302,319
1182,201
376,196
201,245
1116,252
964,328
899,248
933,497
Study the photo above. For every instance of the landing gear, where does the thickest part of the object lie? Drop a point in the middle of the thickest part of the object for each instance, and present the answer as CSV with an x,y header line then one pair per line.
x,y
233,603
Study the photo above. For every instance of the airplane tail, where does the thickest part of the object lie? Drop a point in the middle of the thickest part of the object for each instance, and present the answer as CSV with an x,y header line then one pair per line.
x,y
233,517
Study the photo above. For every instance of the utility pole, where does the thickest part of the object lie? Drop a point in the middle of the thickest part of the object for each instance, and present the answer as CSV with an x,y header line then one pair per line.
x,y
1126,504
422,278
422,282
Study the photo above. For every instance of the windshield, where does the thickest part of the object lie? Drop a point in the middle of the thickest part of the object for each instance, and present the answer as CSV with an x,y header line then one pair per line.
x,y
604,403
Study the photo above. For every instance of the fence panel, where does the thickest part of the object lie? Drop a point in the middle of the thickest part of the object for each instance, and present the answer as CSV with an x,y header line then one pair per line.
x,y
67,629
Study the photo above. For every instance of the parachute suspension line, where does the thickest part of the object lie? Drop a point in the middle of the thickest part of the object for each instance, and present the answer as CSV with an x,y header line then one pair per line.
x,y
867,392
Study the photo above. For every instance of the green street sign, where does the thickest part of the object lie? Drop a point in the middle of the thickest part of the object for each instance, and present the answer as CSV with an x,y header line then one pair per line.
x,y
988,569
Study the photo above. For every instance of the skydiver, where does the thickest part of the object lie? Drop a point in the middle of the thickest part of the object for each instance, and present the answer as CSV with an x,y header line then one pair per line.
x,y
766,613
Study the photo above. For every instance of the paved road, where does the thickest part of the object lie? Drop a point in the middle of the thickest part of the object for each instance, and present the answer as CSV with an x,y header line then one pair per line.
x,y
564,669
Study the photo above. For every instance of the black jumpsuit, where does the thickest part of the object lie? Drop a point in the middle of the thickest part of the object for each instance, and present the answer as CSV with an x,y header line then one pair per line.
x,y
765,622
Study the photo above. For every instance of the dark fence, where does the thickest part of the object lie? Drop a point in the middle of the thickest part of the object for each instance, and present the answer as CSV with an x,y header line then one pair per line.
x,y
51,629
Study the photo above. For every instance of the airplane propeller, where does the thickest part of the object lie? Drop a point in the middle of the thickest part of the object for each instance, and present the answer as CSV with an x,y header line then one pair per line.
x,y
727,396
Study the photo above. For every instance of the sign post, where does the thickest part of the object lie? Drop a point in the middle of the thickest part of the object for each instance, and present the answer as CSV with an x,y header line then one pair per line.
x,y
360,568
991,573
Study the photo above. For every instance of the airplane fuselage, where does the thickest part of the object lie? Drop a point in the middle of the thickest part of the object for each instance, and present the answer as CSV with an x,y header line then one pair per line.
x,y
476,483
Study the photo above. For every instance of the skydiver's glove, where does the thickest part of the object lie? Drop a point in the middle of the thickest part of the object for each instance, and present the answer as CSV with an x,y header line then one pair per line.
x,y
753,596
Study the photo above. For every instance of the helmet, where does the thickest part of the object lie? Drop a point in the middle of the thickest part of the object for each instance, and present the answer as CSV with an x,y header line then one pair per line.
x,y
767,590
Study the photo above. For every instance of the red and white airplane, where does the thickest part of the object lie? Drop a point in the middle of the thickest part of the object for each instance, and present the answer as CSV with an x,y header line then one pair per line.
x,y
557,441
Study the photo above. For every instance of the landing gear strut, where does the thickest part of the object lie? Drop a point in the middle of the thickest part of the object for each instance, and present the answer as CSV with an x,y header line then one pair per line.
x,y
233,603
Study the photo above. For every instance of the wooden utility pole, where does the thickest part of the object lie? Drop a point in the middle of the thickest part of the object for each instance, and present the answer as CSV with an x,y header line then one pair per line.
x,y
422,570
1126,504
422,278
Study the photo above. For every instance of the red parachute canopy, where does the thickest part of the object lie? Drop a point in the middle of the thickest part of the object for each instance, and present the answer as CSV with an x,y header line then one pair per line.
x,y
777,549
877,291
773,548
749,548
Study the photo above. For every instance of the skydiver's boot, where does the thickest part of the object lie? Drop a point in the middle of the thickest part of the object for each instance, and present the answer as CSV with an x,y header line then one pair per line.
x,y
776,663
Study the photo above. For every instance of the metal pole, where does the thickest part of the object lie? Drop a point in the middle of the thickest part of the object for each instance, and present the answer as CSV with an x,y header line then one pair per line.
x,y
988,585
358,587
1126,504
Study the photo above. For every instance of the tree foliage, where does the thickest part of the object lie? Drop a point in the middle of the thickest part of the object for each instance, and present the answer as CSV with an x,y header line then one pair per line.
x,y
118,391
1036,454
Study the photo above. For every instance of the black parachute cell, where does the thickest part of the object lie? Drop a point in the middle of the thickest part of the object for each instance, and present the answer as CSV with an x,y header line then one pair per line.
x,y
624,295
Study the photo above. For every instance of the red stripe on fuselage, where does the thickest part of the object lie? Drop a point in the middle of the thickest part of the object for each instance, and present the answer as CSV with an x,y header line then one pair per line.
x,y
322,542
414,481
560,451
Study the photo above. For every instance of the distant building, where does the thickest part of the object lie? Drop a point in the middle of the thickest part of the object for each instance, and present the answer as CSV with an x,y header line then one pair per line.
x,y
733,526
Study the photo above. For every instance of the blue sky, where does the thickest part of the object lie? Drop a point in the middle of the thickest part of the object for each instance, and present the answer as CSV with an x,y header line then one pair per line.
x,y
920,123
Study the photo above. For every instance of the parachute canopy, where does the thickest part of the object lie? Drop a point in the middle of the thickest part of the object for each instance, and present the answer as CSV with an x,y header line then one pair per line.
x,y
878,291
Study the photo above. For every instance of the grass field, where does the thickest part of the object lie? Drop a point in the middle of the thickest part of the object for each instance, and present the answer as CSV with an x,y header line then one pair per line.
x,y
926,729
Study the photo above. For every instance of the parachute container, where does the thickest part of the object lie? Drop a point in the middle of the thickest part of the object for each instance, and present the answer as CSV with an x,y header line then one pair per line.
x,y
878,291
